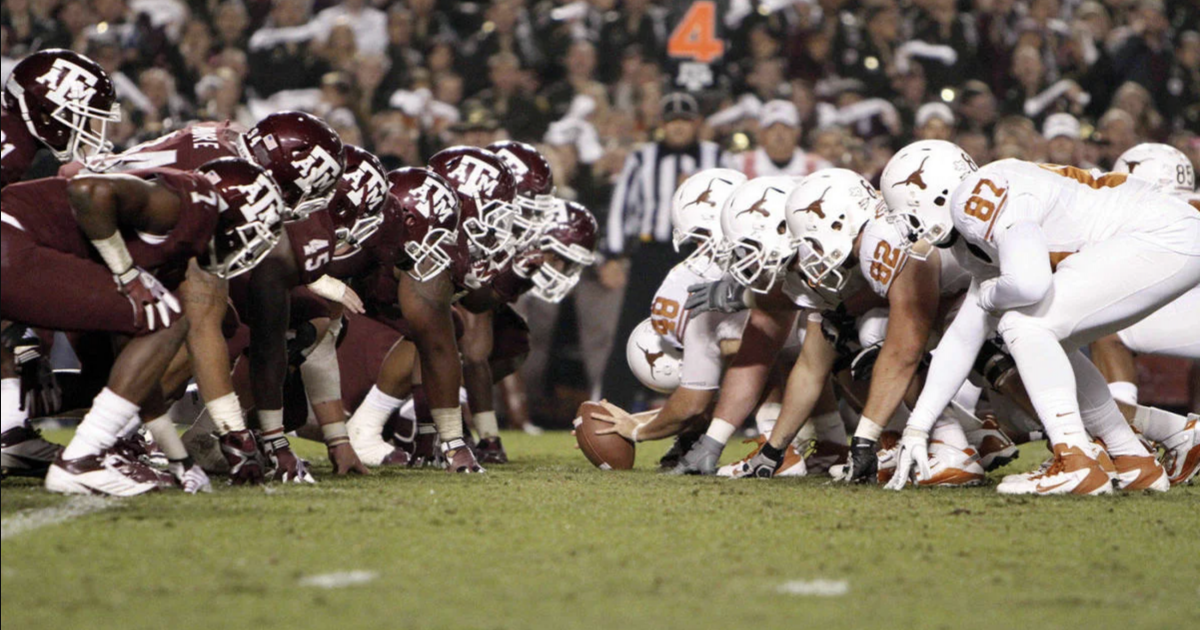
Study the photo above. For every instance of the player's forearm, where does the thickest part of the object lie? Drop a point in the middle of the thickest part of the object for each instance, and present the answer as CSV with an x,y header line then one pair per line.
x,y
682,408
210,360
1025,273
803,390
890,380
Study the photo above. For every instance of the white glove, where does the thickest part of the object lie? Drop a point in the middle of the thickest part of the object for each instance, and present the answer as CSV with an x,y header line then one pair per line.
x,y
335,290
914,449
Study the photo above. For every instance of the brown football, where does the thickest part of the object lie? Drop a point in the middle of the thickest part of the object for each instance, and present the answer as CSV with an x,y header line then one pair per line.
x,y
606,452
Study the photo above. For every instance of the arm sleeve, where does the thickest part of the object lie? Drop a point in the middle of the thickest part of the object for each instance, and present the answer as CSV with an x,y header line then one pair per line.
x,y
1025,273
952,361
623,197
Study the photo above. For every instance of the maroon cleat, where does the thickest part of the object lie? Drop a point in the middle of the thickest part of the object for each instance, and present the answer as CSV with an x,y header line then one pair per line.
x,y
459,458
241,451
425,448
491,451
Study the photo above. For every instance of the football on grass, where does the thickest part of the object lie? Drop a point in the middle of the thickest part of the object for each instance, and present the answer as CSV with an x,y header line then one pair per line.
x,y
606,452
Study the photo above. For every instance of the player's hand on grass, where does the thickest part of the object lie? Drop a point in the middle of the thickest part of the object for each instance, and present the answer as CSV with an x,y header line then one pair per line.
x,y
863,465
914,452
622,422
345,461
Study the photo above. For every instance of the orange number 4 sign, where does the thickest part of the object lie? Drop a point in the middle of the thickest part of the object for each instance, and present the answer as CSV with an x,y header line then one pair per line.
x,y
696,36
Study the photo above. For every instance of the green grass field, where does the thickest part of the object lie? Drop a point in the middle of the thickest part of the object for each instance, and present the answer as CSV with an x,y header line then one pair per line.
x,y
550,542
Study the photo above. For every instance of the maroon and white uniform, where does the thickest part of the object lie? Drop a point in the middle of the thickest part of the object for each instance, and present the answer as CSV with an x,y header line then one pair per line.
x,y
17,149
185,149
53,277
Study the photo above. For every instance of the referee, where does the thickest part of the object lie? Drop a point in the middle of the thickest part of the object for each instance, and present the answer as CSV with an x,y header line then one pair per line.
x,y
638,240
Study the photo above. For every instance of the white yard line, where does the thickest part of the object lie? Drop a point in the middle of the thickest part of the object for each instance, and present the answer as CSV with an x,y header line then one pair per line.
x,y
816,588
35,519
338,580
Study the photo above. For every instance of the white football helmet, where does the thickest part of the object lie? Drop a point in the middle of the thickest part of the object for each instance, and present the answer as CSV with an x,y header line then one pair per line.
x,y
696,215
654,361
756,232
1162,164
825,215
919,181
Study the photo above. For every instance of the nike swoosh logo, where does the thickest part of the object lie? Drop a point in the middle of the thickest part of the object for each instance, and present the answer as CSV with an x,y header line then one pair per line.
x,y
1059,415
1041,488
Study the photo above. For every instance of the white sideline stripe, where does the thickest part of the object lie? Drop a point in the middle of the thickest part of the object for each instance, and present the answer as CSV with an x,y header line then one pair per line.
x,y
338,580
816,588
35,519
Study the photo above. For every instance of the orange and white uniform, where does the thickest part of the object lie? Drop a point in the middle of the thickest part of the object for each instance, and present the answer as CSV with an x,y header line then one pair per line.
x,y
698,335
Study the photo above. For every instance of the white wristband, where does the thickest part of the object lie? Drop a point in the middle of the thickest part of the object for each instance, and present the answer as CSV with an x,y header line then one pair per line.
x,y
115,253
335,433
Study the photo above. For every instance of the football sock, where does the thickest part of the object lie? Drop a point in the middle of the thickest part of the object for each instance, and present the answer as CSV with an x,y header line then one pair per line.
x,y
1099,411
486,424
226,413
98,430
1050,381
11,413
1124,392
868,429
948,431
772,453
373,413
1156,424
130,427
720,431
162,429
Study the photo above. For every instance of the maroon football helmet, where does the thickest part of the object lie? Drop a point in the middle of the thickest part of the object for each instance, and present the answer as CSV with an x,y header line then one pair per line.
x,y
59,94
535,180
357,203
251,215
430,211
486,190
567,246
303,154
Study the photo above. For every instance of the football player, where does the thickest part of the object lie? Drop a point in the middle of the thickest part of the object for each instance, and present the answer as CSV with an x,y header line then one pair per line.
x,y
1060,258
146,230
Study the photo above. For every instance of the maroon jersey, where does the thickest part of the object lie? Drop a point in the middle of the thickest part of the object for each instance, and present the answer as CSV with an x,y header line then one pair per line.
x,y
186,149
41,209
18,148
312,240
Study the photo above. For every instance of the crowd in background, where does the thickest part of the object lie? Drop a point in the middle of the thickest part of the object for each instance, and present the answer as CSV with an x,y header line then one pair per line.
x,y
1068,81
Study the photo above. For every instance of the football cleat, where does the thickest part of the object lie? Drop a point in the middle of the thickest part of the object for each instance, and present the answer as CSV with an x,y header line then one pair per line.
x,y
241,452
994,447
886,461
953,467
425,448
824,456
100,474
1182,452
491,451
702,459
1136,473
459,458
757,465
24,453
1073,470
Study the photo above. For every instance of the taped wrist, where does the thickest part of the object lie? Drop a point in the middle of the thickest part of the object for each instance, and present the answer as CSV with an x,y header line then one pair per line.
x,y
270,422
329,288
335,434
448,422
320,372
226,413
114,253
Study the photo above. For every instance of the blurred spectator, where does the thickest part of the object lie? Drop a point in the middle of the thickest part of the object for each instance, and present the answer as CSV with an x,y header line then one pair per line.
x,y
977,107
778,151
506,99
640,24
1063,146
281,53
934,121
1147,54
580,67
368,24
429,24
230,24
220,97
1136,101
976,144
501,33
1116,133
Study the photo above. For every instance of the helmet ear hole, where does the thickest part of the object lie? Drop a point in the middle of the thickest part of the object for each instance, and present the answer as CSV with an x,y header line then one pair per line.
x,y
940,201
782,229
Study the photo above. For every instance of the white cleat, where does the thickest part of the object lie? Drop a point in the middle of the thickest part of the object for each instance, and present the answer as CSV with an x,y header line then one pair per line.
x,y
1182,457
193,480
951,467
1072,470
1136,473
204,449
792,465
97,474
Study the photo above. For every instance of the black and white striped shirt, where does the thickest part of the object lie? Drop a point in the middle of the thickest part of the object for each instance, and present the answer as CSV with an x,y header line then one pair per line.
x,y
641,201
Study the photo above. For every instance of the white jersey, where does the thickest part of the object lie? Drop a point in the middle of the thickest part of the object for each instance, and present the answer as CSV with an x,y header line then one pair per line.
x,y
700,336
1073,208
757,163
883,251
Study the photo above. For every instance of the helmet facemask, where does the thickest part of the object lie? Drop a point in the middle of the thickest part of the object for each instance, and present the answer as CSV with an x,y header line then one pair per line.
x,y
241,251
82,141
427,257
710,253
824,268
754,267
553,283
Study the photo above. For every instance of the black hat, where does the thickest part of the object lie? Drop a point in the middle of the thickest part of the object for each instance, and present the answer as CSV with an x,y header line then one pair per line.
x,y
679,105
